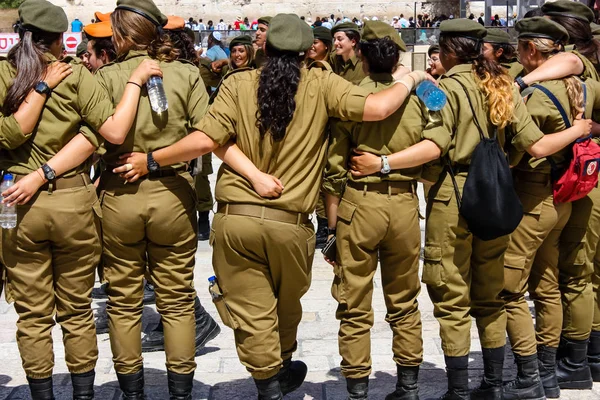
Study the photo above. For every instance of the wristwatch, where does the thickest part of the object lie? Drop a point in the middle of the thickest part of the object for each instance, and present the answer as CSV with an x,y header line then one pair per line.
x,y
522,85
152,164
43,88
330,231
49,173
385,165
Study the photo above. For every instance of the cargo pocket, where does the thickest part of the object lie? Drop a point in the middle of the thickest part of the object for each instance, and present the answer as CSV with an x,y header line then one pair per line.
x,y
338,288
514,269
221,305
346,211
311,243
432,266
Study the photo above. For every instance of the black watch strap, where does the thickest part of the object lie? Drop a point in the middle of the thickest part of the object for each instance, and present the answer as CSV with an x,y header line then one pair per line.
x,y
522,85
43,88
152,164
330,231
49,173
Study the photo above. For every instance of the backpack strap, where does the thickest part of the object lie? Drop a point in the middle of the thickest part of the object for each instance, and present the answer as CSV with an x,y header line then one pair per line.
x,y
556,103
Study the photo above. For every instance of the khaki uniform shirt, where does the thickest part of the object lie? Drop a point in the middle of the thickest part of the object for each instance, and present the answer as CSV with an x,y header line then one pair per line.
x,y
454,131
299,158
351,70
397,132
589,70
186,95
515,69
547,117
78,98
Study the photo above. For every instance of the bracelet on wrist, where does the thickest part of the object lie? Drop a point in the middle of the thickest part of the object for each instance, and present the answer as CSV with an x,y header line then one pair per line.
x,y
136,84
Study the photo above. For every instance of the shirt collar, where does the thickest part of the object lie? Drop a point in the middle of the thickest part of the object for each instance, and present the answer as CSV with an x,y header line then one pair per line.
x,y
381,77
459,69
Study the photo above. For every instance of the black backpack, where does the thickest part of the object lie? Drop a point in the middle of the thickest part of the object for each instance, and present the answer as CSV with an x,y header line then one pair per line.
x,y
489,202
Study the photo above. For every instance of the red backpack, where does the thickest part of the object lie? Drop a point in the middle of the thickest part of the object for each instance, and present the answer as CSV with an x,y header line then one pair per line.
x,y
582,174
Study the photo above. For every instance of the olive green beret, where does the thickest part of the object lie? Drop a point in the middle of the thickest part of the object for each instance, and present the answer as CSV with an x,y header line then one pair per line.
x,y
540,27
81,47
345,26
379,30
463,27
265,20
323,34
287,32
43,15
497,36
573,9
145,8
244,40
595,29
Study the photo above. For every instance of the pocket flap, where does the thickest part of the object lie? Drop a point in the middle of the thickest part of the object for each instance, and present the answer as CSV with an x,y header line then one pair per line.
x,y
444,192
531,204
346,210
432,253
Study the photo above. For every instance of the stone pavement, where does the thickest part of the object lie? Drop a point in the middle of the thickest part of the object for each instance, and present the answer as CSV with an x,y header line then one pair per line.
x,y
220,376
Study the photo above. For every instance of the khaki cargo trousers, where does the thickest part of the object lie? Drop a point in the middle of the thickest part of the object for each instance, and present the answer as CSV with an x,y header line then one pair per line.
x,y
150,227
376,226
263,268
532,264
464,275
50,259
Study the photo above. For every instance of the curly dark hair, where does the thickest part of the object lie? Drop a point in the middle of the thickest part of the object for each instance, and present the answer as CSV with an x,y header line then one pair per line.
x,y
106,44
382,55
181,41
277,87
580,35
509,54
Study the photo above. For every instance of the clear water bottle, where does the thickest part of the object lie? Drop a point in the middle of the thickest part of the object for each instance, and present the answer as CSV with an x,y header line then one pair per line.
x,y
8,215
156,93
212,288
433,97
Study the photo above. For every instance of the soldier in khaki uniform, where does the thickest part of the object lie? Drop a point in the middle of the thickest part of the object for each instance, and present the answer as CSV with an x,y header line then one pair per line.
x,y
51,255
377,219
344,58
532,258
464,274
497,47
150,226
263,249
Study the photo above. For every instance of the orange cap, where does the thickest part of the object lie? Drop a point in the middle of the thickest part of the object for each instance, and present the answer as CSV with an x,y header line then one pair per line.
x,y
99,29
174,23
102,17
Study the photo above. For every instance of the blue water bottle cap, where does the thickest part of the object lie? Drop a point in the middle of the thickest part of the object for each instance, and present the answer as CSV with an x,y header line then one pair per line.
x,y
8,177
212,279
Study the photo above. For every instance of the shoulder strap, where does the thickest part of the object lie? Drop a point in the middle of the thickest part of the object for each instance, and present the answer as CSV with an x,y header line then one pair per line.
x,y
481,134
557,104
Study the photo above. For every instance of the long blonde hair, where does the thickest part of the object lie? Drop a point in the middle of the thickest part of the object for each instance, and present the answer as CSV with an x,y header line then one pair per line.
x,y
548,48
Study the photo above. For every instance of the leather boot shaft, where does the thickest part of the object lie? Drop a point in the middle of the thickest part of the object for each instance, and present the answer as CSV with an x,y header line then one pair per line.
x,y
491,384
132,385
291,376
83,385
547,367
358,389
268,389
527,385
457,371
180,385
41,389
407,386
572,369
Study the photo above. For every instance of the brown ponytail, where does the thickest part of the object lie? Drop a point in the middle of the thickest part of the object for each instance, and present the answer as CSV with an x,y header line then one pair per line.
x,y
31,63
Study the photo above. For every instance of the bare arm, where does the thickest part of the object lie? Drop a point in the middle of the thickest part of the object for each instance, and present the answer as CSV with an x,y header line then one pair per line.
x,y
554,142
557,67
331,206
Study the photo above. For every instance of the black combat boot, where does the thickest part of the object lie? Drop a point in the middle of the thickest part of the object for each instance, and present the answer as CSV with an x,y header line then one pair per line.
x,y
321,235
180,385
83,385
358,389
491,384
527,385
203,225
457,370
572,369
41,389
547,368
132,385
594,355
407,386
269,389
291,376
100,292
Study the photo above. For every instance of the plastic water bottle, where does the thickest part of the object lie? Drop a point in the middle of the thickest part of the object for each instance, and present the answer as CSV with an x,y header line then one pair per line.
x,y
8,215
212,283
433,97
156,93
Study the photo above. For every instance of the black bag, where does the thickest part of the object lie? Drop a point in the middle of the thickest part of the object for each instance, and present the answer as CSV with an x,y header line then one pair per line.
x,y
489,202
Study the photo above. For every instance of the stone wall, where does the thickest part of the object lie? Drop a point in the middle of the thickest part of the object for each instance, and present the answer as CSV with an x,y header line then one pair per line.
x,y
230,9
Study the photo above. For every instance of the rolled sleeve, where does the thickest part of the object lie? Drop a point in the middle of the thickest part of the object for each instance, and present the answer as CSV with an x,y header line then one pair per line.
x,y
197,102
343,99
336,171
11,135
94,105
526,132
438,129
93,137
220,121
